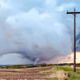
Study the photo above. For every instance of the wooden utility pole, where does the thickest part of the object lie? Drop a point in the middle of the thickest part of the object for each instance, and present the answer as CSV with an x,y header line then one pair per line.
x,y
74,36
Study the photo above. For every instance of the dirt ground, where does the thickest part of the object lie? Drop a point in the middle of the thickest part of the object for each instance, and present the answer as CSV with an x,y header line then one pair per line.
x,y
24,74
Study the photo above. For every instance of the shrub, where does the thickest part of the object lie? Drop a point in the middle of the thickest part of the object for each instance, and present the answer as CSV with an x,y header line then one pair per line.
x,y
43,65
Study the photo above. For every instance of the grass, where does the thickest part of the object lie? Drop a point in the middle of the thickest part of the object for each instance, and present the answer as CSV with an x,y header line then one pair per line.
x,y
68,71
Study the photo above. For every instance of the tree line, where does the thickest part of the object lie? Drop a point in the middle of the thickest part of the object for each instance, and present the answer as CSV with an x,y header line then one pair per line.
x,y
26,66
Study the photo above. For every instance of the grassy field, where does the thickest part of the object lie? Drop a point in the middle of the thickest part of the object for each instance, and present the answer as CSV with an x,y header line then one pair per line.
x,y
40,73
67,71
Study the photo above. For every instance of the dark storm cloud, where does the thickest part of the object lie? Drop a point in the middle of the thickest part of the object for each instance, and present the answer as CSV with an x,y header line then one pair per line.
x,y
35,29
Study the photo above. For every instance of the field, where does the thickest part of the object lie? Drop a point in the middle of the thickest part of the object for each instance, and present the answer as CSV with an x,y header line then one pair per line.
x,y
40,73
25,74
66,70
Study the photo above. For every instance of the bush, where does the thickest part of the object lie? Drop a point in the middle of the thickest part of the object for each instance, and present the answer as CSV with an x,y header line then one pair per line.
x,y
43,65
73,76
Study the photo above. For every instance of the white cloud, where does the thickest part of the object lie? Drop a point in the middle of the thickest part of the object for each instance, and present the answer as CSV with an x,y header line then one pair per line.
x,y
45,15
17,23
65,6
4,5
50,2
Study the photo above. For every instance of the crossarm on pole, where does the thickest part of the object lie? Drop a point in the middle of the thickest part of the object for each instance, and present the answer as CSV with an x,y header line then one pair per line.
x,y
73,12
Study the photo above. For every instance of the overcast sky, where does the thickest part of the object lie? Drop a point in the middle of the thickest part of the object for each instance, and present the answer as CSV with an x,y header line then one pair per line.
x,y
36,30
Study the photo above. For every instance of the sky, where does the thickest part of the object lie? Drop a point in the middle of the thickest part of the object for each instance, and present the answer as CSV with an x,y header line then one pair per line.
x,y
33,31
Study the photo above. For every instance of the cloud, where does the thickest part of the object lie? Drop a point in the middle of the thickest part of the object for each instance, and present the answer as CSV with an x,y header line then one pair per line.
x,y
13,59
65,59
66,6
34,29
49,2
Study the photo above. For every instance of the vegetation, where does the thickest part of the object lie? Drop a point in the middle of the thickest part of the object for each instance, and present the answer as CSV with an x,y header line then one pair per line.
x,y
37,65
68,71
69,64
54,71
26,66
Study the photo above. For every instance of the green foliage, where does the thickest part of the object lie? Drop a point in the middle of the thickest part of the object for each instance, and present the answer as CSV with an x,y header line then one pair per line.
x,y
30,66
65,64
1,67
26,66
73,76
68,71
44,65
69,64
50,79
49,64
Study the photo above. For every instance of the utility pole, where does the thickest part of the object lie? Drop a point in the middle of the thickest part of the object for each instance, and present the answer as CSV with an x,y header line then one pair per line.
x,y
74,36
57,64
